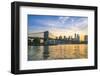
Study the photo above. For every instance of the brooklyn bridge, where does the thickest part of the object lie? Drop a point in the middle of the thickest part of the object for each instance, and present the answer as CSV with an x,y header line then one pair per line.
x,y
47,38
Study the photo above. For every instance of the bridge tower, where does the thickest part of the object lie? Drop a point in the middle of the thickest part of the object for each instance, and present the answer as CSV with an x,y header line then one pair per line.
x,y
46,37
46,48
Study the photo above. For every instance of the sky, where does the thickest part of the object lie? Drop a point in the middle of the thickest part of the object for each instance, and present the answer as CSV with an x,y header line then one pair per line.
x,y
58,25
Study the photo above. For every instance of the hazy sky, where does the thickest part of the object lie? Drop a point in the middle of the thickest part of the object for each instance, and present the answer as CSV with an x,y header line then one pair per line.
x,y
58,25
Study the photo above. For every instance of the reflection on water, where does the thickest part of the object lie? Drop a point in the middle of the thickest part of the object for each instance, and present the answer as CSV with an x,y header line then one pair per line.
x,y
67,51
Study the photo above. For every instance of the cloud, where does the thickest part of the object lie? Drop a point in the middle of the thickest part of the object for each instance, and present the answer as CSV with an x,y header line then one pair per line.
x,y
62,25
81,24
63,19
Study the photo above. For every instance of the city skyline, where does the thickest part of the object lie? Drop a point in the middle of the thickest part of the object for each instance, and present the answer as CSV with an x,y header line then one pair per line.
x,y
73,36
49,39
58,25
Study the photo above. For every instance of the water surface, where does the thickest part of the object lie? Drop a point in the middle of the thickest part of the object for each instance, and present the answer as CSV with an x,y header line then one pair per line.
x,y
66,51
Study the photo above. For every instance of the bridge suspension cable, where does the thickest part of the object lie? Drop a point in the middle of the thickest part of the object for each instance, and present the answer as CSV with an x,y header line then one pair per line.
x,y
38,34
41,35
52,36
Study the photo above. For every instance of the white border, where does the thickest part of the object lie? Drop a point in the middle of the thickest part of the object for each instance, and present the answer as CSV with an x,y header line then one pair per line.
x,y
26,65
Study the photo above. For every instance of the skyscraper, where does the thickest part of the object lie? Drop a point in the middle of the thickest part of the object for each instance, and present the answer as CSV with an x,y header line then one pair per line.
x,y
85,38
76,37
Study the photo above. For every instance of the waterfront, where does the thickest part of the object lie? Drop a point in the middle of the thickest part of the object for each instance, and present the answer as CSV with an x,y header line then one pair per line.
x,y
63,51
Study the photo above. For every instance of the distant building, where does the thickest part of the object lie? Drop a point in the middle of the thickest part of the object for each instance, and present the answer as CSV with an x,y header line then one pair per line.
x,y
86,38
69,38
64,37
76,37
56,37
60,37
51,42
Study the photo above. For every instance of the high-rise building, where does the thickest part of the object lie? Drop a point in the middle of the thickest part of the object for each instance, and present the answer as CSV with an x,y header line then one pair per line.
x,y
86,38
64,37
75,36
60,37
56,37
78,37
